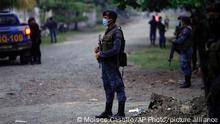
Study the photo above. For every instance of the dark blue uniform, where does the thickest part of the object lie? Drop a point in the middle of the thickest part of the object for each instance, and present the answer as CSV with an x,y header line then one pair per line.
x,y
111,76
52,26
185,54
153,30
162,31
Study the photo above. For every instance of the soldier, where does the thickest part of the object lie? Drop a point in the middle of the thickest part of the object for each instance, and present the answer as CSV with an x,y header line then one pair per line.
x,y
166,22
157,17
199,37
211,67
185,47
52,26
153,30
36,41
162,31
108,56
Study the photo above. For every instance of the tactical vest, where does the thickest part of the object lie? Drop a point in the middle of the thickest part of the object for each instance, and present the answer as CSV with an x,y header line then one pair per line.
x,y
107,44
107,41
188,43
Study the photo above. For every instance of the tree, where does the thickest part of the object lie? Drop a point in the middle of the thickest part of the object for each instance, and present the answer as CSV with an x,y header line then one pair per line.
x,y
157,5
18,4
67,11
123,3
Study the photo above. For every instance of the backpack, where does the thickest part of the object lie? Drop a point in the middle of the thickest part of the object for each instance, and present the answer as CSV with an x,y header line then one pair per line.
x,y
122,57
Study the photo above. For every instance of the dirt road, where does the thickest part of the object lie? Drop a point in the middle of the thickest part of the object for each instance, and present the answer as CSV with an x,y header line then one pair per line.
x,y
67,84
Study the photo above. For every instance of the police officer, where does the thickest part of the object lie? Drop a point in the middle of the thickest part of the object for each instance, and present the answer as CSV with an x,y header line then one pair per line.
x,y
162,30
199,37
108,54
52,26
211,72
185,47
153,30
166,22
36,41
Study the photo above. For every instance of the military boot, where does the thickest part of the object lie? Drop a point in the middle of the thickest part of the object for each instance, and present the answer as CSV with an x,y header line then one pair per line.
x,y
121,111
187,82
107,113
33,60
38,61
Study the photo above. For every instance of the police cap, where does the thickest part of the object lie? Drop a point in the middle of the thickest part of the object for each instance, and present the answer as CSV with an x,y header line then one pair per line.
x,y
31,19
186,19
110,13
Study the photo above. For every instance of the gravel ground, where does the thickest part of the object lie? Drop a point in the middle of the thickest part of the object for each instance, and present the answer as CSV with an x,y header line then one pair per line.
x,y
67,84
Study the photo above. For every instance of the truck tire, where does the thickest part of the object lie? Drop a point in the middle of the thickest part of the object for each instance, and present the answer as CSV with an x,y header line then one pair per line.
x,y
25,57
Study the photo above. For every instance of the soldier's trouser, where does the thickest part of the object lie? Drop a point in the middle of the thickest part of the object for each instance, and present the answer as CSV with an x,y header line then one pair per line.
x,y
153,37
112,82
185,61
53,36
194,55
36,53
162,40
213,99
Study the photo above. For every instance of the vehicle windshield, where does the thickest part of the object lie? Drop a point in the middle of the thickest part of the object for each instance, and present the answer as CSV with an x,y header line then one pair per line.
x,y
8,20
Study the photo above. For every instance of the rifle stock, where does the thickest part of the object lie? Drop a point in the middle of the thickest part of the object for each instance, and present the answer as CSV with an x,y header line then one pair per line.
x,y
172,50
100,41
173,47
99,47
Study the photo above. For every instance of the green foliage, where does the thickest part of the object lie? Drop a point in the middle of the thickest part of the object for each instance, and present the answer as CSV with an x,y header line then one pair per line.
x,y
67,11
70,19
5,4
61,37
70,5
19,4
103,4
154,59
25,4
157,5
123,3
187,3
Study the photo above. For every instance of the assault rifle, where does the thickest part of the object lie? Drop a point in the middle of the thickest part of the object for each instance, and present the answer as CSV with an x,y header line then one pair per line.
x,y
174,47
100,48
172,50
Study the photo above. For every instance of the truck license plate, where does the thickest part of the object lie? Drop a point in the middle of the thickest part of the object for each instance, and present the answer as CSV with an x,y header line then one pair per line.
x,y
13,38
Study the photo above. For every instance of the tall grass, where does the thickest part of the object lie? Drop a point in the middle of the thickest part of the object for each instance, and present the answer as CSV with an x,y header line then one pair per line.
x,y
154,59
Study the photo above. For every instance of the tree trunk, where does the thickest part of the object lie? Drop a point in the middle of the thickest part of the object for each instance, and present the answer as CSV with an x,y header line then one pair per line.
x,y
76,22
76,26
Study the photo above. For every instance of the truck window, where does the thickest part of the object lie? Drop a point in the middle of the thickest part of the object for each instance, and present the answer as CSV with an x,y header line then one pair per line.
x,y
8,20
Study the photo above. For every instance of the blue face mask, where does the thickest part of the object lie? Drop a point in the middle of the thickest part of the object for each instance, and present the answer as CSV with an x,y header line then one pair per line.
x,y
105,22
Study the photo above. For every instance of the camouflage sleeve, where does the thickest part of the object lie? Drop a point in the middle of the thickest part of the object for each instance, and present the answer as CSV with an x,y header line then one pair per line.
x,y
183,36
117,38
